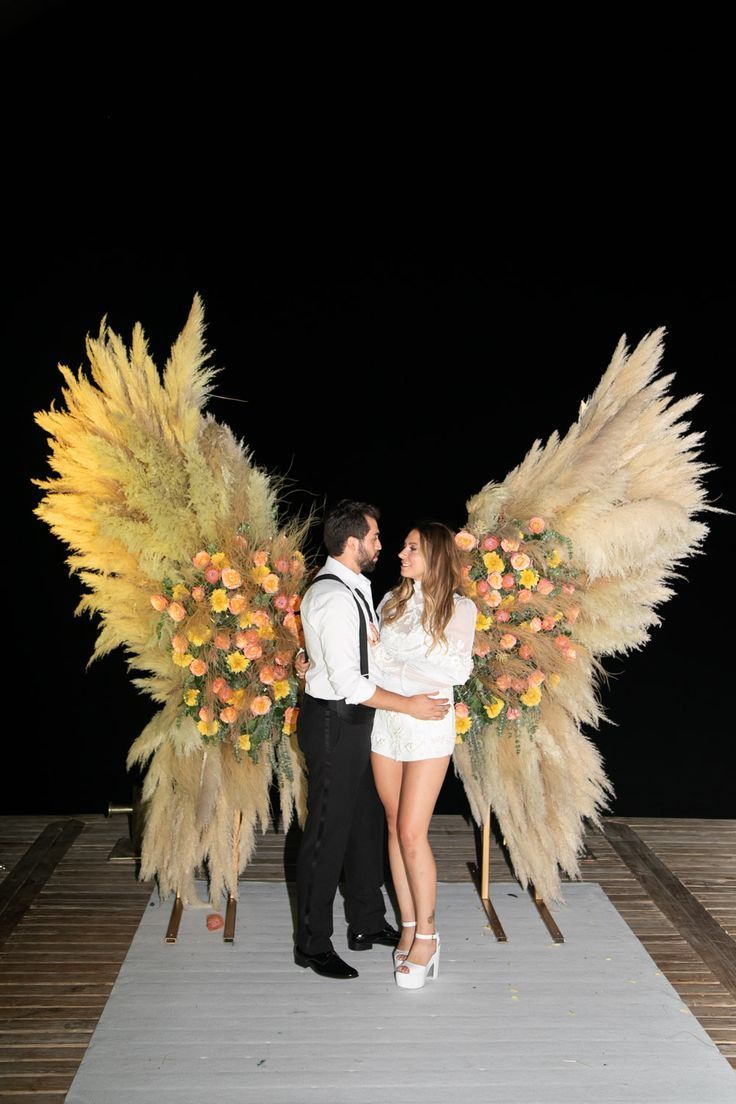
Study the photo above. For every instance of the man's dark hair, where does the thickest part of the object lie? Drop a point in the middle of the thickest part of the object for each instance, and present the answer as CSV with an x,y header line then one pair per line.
x,y
347,519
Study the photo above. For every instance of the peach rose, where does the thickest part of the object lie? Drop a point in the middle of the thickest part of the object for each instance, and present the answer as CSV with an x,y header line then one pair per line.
x,y
489,544
510,545
545,586
290,714
222,640
482,649
260,706
508,582
503,615
284,658
159,602
568,588
482,587
176,611
507,642
217,684
253,651
513,713
206,714
212,575
537,525
231,578
461,710
291,624
536,624
493,599
260,558
503,682
198,668
536,678
295,602
571,653
179,643
282,566
518,685
562,643
261,618
465,541
267,675
271,583
228,714
548,623
281,602
226,693
236,604
525,651
202,559
573,612
494,579
524,596
520,561
198,594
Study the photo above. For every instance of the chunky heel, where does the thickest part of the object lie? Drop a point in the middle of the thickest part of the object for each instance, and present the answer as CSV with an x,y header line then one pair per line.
x,y
418,974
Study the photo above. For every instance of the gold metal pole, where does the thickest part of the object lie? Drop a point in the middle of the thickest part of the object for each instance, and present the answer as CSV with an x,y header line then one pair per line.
x,y
228,933
485,877
173,929
547,918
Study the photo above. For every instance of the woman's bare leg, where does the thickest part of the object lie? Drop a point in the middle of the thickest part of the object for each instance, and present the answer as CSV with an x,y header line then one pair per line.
x,y
388,774
420,787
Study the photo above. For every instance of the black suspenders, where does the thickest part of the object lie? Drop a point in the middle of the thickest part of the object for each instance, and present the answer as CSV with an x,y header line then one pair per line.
x,y
362,626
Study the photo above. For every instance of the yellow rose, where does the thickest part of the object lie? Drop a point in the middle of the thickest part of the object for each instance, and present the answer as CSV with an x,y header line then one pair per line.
x,y
191,697
508,601
554,560
259,573
244,741
238,698
179,592
208,728
471,589
236,661
199,634
494,708
266,632
493,562
462,725
218,600
182,660
554,679
483,623
281,689
532,696
246,621
528,578
219,560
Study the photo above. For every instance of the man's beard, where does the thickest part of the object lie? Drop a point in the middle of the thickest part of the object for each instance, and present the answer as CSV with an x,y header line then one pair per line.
x,y
366,563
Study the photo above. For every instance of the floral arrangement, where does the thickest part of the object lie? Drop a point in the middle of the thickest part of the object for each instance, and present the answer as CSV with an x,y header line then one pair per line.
x,y
234,629
523,586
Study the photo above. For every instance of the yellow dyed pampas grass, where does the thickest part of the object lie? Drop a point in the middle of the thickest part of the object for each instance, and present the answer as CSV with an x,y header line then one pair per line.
x,y
143,480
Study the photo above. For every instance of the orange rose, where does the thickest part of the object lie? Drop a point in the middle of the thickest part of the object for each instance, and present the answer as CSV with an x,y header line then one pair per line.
x,y
260,558
228,715
198,594
282,566
217,684
159,602
179,643
525,651
231,578
544,586
201,559
176,611
291,624
198,668
252,651
290,714
461,709
261,618
465,541
507,642
222,641
537,525
270,584
206,714
267,675
237,604
260,706
295,602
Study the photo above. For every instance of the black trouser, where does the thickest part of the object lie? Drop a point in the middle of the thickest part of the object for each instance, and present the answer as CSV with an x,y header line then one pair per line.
x,y
344,827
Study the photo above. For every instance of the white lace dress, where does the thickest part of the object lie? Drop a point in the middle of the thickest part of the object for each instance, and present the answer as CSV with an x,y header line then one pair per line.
x,y
405,662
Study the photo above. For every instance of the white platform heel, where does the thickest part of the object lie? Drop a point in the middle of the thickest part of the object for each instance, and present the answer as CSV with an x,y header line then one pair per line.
x,y
417,975
399,956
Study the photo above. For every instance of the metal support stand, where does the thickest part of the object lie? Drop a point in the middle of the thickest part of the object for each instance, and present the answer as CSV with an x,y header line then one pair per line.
x,y
546,916
228,934
173,929
482,882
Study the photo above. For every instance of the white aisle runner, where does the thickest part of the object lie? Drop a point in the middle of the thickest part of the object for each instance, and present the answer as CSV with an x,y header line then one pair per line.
x,y
590,1021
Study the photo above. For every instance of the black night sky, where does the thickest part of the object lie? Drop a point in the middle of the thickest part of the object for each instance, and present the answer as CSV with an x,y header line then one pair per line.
x,y
397,333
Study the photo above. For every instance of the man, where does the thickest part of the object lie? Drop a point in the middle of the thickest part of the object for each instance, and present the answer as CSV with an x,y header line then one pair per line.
x,y
344,826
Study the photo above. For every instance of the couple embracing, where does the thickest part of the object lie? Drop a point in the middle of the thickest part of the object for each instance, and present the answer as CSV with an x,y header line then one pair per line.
x,y
377,730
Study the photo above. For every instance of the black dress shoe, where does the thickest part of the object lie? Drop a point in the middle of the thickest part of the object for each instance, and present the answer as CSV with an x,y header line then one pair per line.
x,y
328,964
363,941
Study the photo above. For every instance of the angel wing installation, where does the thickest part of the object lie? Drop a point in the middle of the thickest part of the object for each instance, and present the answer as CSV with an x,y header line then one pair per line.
x,y
174,533
568,559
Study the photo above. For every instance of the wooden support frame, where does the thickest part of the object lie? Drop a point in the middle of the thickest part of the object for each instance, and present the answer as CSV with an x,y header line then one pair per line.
x,y
173,929
228,933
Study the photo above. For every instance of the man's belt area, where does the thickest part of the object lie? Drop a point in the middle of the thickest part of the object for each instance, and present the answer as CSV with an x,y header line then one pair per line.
x,y
353,714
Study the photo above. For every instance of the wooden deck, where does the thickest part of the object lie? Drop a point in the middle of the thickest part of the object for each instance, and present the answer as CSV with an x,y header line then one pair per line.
x,y
68,914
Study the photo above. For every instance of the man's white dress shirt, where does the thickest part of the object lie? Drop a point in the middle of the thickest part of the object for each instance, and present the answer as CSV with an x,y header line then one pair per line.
x,y
331,636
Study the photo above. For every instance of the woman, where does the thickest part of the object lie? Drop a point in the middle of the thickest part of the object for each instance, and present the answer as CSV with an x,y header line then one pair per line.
x,y
425,646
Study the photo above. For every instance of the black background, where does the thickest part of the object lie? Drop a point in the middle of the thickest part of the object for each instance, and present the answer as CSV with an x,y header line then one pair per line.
x,y
454,294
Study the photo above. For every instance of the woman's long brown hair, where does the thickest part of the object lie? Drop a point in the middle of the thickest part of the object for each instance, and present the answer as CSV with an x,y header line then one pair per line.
x,y
442,579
